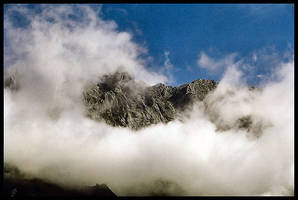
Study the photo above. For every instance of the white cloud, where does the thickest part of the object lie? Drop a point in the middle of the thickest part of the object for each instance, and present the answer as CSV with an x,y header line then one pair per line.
x,y
233,77
76,150
213,65
168,68
167,64
89,45
254,57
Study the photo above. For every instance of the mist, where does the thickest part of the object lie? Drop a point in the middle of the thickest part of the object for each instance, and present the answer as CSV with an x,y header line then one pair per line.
x,y
48,135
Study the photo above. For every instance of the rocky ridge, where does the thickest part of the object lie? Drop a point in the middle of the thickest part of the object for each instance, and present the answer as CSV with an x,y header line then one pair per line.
x,y
119,100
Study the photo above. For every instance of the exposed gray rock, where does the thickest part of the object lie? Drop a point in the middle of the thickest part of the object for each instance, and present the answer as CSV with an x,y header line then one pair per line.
x,y
121,101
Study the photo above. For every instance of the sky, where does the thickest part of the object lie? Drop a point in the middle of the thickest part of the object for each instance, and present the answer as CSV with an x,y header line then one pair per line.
x,y
181,32
186,42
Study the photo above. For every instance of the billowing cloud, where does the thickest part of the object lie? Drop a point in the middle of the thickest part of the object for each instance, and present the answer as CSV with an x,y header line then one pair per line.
x,y
70,40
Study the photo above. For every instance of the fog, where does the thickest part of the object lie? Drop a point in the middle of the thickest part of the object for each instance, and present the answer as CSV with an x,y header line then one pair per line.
x,y
47,133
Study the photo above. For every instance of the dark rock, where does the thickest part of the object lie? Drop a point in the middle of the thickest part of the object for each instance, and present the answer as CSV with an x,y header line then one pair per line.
x,y
99,190
245,122
16,184
11,83
121,101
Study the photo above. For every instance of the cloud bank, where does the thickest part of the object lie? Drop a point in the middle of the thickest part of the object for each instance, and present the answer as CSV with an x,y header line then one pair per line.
x,y
47,134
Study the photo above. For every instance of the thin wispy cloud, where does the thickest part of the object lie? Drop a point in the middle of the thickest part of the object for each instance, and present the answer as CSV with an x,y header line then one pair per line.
x,y
213,64
189,68
264,10
260,76
168,68
167,64
116,10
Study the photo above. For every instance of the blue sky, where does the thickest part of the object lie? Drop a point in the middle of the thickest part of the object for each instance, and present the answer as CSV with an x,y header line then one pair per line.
x,y
201,40
216,29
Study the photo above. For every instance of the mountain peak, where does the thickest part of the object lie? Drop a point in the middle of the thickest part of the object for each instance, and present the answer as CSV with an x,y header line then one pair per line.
x,y
120,101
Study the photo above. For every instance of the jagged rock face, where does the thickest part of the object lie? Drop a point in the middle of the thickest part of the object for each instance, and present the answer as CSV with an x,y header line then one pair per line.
x,y
121,101
186,94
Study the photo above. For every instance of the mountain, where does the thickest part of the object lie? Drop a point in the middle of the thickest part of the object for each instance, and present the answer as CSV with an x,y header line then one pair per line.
x,y
120,100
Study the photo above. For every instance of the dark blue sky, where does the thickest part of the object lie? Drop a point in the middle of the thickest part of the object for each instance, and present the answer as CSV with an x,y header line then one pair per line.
x,y
186,30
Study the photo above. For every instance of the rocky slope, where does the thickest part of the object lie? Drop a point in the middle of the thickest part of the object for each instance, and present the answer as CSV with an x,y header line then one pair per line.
x,y
17,184
121,101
